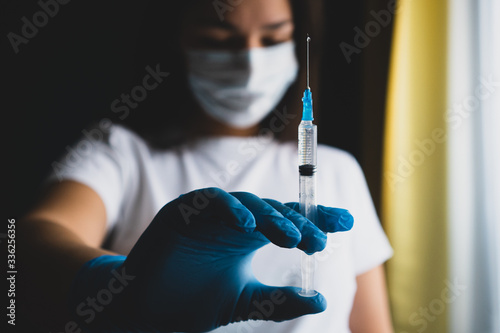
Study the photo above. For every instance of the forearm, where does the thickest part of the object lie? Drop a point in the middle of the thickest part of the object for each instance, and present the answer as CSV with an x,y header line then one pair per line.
x,y
50,255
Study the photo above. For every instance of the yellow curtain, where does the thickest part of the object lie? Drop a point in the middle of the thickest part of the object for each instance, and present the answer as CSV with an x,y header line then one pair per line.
x,y
414,186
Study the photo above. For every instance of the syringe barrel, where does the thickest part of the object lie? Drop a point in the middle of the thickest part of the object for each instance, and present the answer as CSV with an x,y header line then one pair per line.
x,y
307,169
307,204
307,197
308,139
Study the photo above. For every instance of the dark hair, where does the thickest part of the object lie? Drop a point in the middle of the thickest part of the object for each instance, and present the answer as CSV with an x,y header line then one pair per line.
x,y
168,116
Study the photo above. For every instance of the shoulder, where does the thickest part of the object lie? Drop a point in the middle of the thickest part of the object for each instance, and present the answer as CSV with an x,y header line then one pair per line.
x,y
119,136
341,176
329,153
338,160
120,142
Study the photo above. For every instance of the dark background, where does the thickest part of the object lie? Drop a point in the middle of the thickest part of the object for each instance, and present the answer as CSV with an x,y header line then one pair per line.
x,y
67,75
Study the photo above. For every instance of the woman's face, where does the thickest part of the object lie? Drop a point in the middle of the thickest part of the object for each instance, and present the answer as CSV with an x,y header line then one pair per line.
x,y
217,25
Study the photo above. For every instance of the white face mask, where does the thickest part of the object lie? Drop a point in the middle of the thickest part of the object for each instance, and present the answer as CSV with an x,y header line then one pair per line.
x,y
241,88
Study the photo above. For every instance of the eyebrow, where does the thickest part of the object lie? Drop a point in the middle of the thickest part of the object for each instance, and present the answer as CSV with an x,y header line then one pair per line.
x,y
228,26
277,25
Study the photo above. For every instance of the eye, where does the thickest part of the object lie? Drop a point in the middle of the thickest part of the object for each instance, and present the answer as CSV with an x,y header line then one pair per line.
x,y
269,41
279,35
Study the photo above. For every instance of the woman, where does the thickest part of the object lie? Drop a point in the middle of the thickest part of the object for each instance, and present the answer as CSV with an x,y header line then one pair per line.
x,y
208,259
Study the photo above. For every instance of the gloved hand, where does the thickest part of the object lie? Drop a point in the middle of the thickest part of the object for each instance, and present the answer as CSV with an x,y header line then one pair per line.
x,y
190,270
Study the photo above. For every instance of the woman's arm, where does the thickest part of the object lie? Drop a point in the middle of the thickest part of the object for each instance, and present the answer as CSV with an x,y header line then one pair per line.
x,y
55,239
370,311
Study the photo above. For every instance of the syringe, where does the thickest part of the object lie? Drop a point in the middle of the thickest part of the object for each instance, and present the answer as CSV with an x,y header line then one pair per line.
x,y
307,179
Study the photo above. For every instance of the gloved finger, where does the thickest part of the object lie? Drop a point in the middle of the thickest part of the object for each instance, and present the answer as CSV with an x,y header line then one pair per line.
x,y
279,304
329,219
334,219
313,239
208,204
271,223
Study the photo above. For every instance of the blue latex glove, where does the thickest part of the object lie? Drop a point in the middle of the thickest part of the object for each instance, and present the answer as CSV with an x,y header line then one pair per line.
x,y
190,271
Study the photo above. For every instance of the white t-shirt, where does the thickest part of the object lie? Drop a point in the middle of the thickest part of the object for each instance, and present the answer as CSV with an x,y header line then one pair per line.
x,y
135,181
